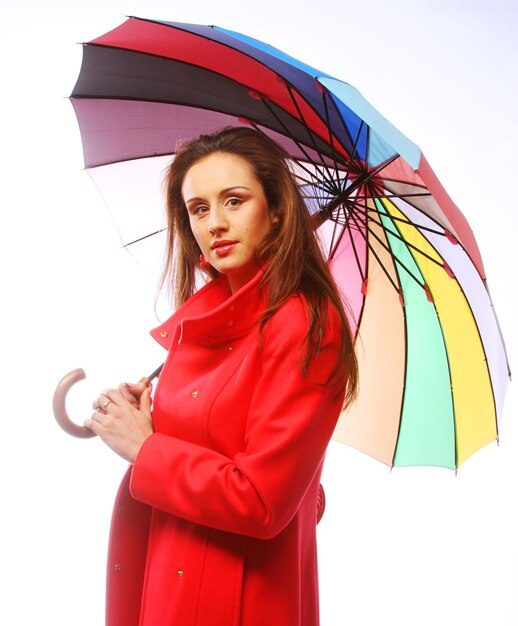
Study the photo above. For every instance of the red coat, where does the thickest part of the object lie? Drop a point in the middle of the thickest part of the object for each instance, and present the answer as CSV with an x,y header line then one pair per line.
x,y
215,523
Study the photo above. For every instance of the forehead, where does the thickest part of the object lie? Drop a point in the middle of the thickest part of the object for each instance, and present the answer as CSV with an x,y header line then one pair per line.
x,y
219,170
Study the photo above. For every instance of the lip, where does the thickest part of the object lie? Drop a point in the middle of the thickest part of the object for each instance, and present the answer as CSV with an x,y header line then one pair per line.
x,y
222,242
222,247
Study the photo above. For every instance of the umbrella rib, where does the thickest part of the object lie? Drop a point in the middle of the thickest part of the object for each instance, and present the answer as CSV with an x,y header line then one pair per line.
x,y
364,210
361,181
345,224
371,248
312,180
387,248
331,138
375,171
355,251
289,134
310,134
299,145
355,146
401,195
401,238
346,128
127,245
410,223
334,245
425,194
403,220
336,238
362,123
353,245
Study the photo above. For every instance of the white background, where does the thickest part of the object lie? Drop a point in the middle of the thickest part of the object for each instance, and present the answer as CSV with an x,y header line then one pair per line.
x,y
417,546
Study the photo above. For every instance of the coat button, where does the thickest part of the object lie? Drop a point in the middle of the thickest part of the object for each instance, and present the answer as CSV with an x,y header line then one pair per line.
x,y
179,573
231,307
229,348
117,567
163,334
230,323
194,394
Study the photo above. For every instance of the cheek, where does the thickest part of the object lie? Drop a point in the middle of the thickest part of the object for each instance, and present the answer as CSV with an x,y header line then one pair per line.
x,y
198,235
268,222
262,224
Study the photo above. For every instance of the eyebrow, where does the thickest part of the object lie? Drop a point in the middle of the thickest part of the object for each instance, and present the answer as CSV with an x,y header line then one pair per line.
x,y
222,193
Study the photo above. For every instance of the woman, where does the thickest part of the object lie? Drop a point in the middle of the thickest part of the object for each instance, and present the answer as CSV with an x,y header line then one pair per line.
x,y
214,523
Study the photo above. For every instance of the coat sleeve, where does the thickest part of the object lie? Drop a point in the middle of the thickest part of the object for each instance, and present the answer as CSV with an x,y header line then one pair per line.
x,y
290,423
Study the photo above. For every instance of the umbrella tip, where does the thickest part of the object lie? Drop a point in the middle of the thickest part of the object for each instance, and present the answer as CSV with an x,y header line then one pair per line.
x,y
245,120
429,296
448,270
321,88
255,95
451,237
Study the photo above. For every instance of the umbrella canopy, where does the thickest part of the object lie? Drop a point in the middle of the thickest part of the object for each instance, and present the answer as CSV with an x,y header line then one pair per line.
x,y
433,368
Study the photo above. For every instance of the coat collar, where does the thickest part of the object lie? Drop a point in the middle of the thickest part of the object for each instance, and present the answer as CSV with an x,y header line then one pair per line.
x,y
213,314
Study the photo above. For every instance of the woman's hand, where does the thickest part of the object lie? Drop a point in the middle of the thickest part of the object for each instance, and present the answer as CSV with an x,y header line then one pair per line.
x,y
122,418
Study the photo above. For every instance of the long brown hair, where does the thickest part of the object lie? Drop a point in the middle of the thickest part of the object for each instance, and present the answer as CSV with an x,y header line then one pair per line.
x,y
290,253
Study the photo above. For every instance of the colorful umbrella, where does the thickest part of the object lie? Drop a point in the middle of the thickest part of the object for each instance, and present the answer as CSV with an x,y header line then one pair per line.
x,y
433,368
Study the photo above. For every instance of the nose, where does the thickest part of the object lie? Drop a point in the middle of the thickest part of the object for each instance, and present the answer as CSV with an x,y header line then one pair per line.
x,y
217,221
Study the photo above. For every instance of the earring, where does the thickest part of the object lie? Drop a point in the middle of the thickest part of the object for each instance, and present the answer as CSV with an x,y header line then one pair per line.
x,y
204,264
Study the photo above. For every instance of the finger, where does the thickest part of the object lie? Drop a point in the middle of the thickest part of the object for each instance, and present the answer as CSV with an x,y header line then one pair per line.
x,y
115,396
129,394
102,403
95,424
145,402
137,389
103,398
90,425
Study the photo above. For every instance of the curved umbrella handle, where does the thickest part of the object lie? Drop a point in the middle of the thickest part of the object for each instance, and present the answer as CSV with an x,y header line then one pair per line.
x,y
59,405
60,397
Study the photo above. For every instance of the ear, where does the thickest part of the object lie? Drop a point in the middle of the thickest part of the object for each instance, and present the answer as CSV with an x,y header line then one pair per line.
x,y
275,215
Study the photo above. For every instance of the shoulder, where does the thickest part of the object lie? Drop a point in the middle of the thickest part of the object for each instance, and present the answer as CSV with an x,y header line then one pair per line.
x,y
293,311
290,324
296,312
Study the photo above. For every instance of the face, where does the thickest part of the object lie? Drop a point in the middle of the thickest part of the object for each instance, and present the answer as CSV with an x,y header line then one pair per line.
x,y
228,213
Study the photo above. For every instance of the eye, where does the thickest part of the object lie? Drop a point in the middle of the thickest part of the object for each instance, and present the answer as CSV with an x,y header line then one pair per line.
x,y
234,202
198,210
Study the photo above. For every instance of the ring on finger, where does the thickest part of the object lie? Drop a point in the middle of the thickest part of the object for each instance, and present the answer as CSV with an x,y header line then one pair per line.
x,y
106,404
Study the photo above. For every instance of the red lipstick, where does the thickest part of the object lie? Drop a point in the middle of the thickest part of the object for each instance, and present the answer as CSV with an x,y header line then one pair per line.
x,y
222,247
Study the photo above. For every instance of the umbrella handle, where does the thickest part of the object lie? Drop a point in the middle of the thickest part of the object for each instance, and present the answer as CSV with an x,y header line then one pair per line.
x,y
60,409
60,397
